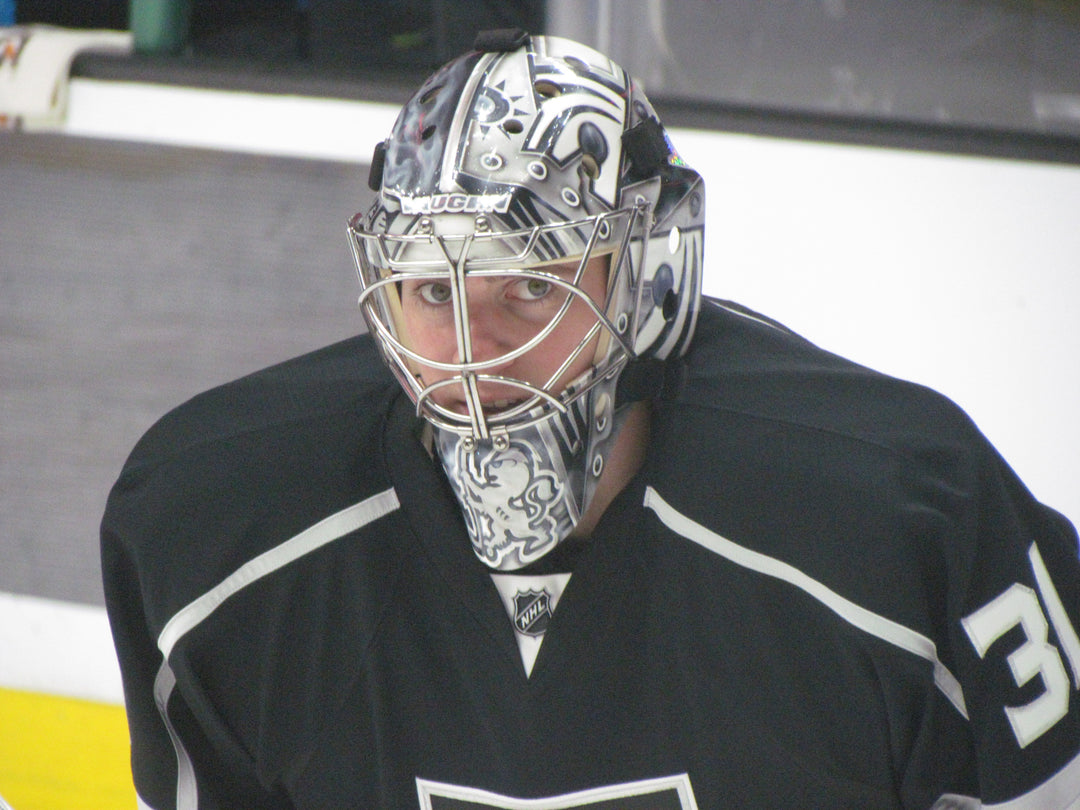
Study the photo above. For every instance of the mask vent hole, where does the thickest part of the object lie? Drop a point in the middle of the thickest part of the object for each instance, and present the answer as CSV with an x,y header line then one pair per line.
x,y
427,133
546,89
513,127
429,96
590,166
578,65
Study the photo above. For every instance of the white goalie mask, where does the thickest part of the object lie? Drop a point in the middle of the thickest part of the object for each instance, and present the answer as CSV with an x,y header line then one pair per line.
x,y
534,236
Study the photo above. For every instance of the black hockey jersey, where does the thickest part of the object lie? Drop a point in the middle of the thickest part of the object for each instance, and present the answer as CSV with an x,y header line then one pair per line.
x,y
823,589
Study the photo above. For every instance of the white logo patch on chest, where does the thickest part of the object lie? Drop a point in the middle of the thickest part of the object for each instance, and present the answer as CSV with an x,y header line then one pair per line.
x,y
664,793
530,603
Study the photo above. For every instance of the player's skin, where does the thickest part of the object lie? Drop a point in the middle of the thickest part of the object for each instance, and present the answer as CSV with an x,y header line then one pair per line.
x,y
504,313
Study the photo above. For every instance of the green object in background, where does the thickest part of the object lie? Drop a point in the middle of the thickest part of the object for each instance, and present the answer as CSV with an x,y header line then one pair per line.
x,y
160,26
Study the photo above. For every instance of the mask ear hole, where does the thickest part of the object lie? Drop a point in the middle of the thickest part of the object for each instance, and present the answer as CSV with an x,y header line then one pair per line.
x,y
590,166
546,89
670,305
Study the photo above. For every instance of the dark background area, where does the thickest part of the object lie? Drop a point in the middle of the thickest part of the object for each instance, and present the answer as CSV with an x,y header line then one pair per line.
x,y
339,37
985,76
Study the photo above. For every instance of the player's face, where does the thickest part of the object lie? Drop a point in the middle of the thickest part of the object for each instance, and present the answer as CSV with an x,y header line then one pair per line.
x,y
505,312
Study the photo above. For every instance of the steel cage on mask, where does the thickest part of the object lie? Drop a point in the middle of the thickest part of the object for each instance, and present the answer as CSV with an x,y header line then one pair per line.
x,y
386,262
527,158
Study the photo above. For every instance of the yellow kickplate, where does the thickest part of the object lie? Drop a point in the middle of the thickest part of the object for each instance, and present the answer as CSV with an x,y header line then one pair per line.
x,y
59,753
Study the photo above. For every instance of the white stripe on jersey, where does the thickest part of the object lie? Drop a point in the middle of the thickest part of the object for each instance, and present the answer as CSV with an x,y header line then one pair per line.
x,y
885,629
325,531
187,788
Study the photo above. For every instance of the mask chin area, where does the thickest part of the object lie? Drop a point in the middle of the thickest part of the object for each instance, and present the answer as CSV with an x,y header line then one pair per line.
x,y
523,491
518,498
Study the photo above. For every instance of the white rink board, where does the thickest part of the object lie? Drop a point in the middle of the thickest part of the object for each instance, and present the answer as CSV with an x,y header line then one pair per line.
x,y
57,648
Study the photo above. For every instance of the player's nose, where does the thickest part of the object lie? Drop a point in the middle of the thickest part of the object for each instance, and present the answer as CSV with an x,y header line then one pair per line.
x,y
490,335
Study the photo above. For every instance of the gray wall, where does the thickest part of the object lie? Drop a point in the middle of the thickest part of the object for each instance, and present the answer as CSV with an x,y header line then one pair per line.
x,y
131,278
1001,64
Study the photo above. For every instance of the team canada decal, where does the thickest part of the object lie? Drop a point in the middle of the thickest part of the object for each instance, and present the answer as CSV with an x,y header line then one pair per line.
x,y
665,793
532,612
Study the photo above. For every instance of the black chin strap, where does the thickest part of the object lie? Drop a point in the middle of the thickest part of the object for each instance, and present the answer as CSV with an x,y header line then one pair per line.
x,y
500,40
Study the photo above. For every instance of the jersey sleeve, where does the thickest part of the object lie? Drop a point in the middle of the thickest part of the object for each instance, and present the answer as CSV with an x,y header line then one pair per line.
x,y
153,761
179,756
1014,614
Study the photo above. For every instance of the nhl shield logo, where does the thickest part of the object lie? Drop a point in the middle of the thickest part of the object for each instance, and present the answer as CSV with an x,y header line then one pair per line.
x,y
532,612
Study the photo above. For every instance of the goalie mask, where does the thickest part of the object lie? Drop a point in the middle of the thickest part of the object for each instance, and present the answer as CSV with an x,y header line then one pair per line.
x,y
534,239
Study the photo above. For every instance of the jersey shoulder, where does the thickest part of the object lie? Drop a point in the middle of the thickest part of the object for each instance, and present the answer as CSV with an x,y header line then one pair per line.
x,y
849,475
243,467
744,363
336,379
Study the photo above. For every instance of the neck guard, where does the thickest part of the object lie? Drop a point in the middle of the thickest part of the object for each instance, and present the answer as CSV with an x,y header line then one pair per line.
x,y
523,495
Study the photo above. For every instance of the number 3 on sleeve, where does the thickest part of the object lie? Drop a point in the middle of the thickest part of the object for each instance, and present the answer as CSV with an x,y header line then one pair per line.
x,y
1019,605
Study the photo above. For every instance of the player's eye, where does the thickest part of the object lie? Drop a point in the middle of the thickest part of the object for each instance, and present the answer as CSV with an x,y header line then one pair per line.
x,y
532,289
435,293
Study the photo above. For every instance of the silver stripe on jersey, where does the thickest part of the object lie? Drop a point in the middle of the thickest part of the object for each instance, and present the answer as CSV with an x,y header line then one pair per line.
x,y
187,788
325,531
886,629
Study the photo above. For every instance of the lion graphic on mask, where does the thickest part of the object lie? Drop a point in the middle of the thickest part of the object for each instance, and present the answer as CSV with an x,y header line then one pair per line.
x,y
514,509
